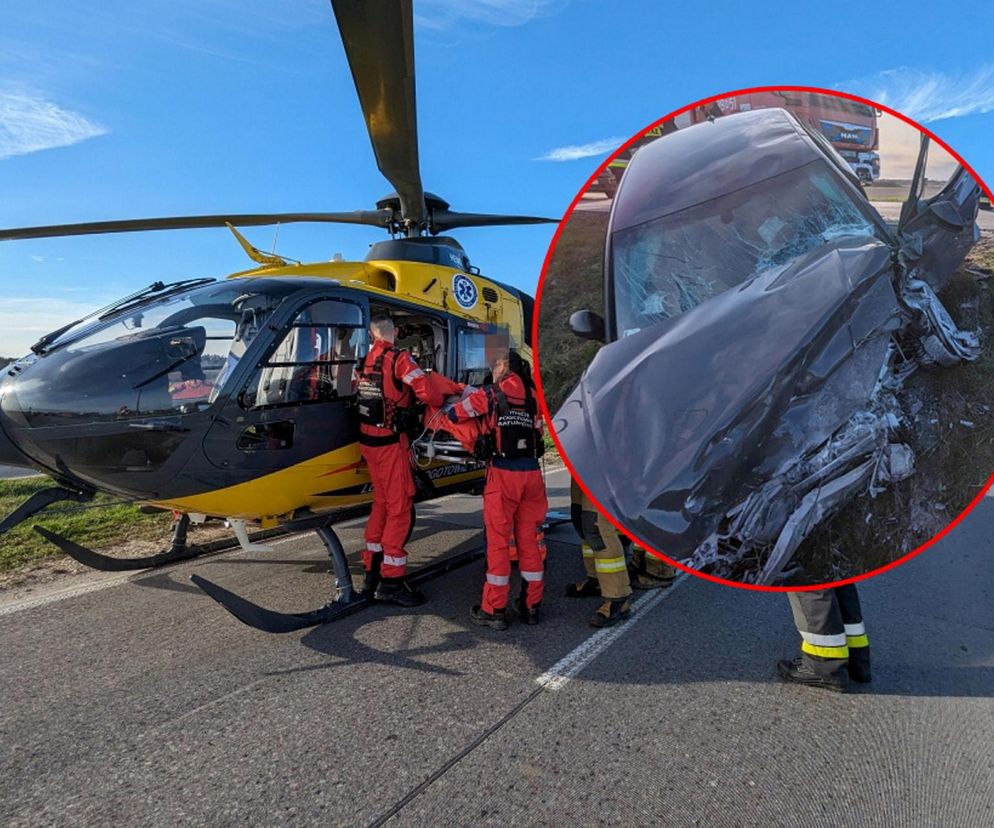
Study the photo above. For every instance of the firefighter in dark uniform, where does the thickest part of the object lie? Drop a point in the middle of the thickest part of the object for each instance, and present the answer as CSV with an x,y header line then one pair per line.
x,y
834,646
514,499
388,382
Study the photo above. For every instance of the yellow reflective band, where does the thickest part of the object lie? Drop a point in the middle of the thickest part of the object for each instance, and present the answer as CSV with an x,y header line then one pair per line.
x,y
587,551
857,641
610,564
824,652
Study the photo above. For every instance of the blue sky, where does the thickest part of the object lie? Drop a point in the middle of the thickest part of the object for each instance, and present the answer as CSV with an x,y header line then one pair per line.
x,y
145,108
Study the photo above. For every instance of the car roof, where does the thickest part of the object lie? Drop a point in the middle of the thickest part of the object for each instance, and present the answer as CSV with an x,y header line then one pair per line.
x,y
707,160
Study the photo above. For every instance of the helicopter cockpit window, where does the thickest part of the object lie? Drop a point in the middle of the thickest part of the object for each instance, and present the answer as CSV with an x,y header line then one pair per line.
x,y
314,360
164,356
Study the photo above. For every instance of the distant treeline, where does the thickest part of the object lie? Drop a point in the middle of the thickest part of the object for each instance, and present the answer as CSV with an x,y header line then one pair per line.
x,y
5,361
574,281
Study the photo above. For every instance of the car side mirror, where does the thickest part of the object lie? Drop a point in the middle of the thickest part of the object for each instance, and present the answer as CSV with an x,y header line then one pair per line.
x,y
947,215
587,325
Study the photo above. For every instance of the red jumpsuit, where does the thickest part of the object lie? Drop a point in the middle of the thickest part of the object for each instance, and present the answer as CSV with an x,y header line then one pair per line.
x,y
514,499
387,455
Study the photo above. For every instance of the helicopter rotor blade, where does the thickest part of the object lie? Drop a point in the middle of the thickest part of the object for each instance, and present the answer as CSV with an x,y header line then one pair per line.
x,y
378,36
376,218
448,219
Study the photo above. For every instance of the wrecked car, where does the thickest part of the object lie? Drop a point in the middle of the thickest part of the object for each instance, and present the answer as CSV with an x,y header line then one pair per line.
x,y
761,317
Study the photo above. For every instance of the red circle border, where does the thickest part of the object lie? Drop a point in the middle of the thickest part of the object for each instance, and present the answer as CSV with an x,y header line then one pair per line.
x,y
537,349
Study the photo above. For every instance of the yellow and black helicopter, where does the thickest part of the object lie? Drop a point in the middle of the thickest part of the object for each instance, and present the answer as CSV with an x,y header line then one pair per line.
x,y
234,398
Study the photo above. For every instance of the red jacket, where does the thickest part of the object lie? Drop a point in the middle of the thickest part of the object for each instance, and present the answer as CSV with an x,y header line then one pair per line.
x,y
483,403
399,365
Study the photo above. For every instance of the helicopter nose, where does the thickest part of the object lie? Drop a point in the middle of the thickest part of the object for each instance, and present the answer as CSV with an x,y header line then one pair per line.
x,y
10,454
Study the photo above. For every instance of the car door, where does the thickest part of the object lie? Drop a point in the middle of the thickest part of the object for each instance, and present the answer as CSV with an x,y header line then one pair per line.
x,y
937,232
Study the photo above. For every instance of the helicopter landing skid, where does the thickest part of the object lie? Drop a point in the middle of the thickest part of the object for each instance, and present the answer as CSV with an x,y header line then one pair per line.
x,y
347,602
178,551
38,501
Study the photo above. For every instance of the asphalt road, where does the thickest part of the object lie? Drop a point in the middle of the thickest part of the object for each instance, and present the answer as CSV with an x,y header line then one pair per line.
x,y
9,472
137,700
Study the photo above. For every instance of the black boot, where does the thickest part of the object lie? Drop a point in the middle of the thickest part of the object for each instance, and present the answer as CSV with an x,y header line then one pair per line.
x,y
610,613
497,620
587,588
859,664
799,672
372,577
397,591
529,615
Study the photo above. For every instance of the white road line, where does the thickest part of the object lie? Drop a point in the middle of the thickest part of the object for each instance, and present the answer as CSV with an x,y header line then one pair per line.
x,y
64,594
570,665
110,581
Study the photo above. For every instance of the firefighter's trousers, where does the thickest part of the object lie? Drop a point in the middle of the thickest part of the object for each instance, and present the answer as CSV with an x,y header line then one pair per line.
x,y
831,626
393,498
603,554
514,505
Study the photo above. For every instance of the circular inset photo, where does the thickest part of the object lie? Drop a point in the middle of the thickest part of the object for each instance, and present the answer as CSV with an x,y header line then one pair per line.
x,y
764,338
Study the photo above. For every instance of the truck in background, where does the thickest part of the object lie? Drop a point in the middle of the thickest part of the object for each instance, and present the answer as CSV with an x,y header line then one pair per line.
x,y
850,126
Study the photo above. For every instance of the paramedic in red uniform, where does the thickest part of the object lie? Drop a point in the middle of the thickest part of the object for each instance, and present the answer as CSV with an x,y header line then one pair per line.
x,y
514,499
388,381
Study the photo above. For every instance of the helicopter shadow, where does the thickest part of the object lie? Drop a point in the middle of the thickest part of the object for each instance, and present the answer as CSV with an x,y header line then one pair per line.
x,y
339,640
165,581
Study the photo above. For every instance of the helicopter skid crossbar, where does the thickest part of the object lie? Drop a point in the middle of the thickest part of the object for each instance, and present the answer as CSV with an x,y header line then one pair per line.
x,y
348,601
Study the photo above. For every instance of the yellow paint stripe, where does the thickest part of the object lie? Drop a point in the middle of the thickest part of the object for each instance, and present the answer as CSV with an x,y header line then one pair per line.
x,y
285,490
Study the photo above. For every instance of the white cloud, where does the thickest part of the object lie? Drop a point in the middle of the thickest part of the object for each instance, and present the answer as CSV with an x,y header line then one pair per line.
x,y
441,14
926,95
572,153
29,123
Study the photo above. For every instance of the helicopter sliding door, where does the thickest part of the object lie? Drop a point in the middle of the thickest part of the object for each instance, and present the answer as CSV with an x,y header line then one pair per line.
x,y
297,403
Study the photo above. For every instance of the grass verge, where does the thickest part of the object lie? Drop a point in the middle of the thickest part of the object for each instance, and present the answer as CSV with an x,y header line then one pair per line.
x,y
108,525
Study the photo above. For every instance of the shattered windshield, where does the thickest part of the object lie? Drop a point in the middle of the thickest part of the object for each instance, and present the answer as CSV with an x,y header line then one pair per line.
x,y
668,265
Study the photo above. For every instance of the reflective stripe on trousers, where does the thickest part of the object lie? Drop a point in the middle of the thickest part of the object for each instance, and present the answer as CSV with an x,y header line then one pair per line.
x,y
830,622
603,554
393,499
514,505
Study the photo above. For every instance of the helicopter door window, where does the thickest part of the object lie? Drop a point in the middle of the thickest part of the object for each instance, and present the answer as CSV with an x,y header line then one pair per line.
x,y
476,349
314,360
